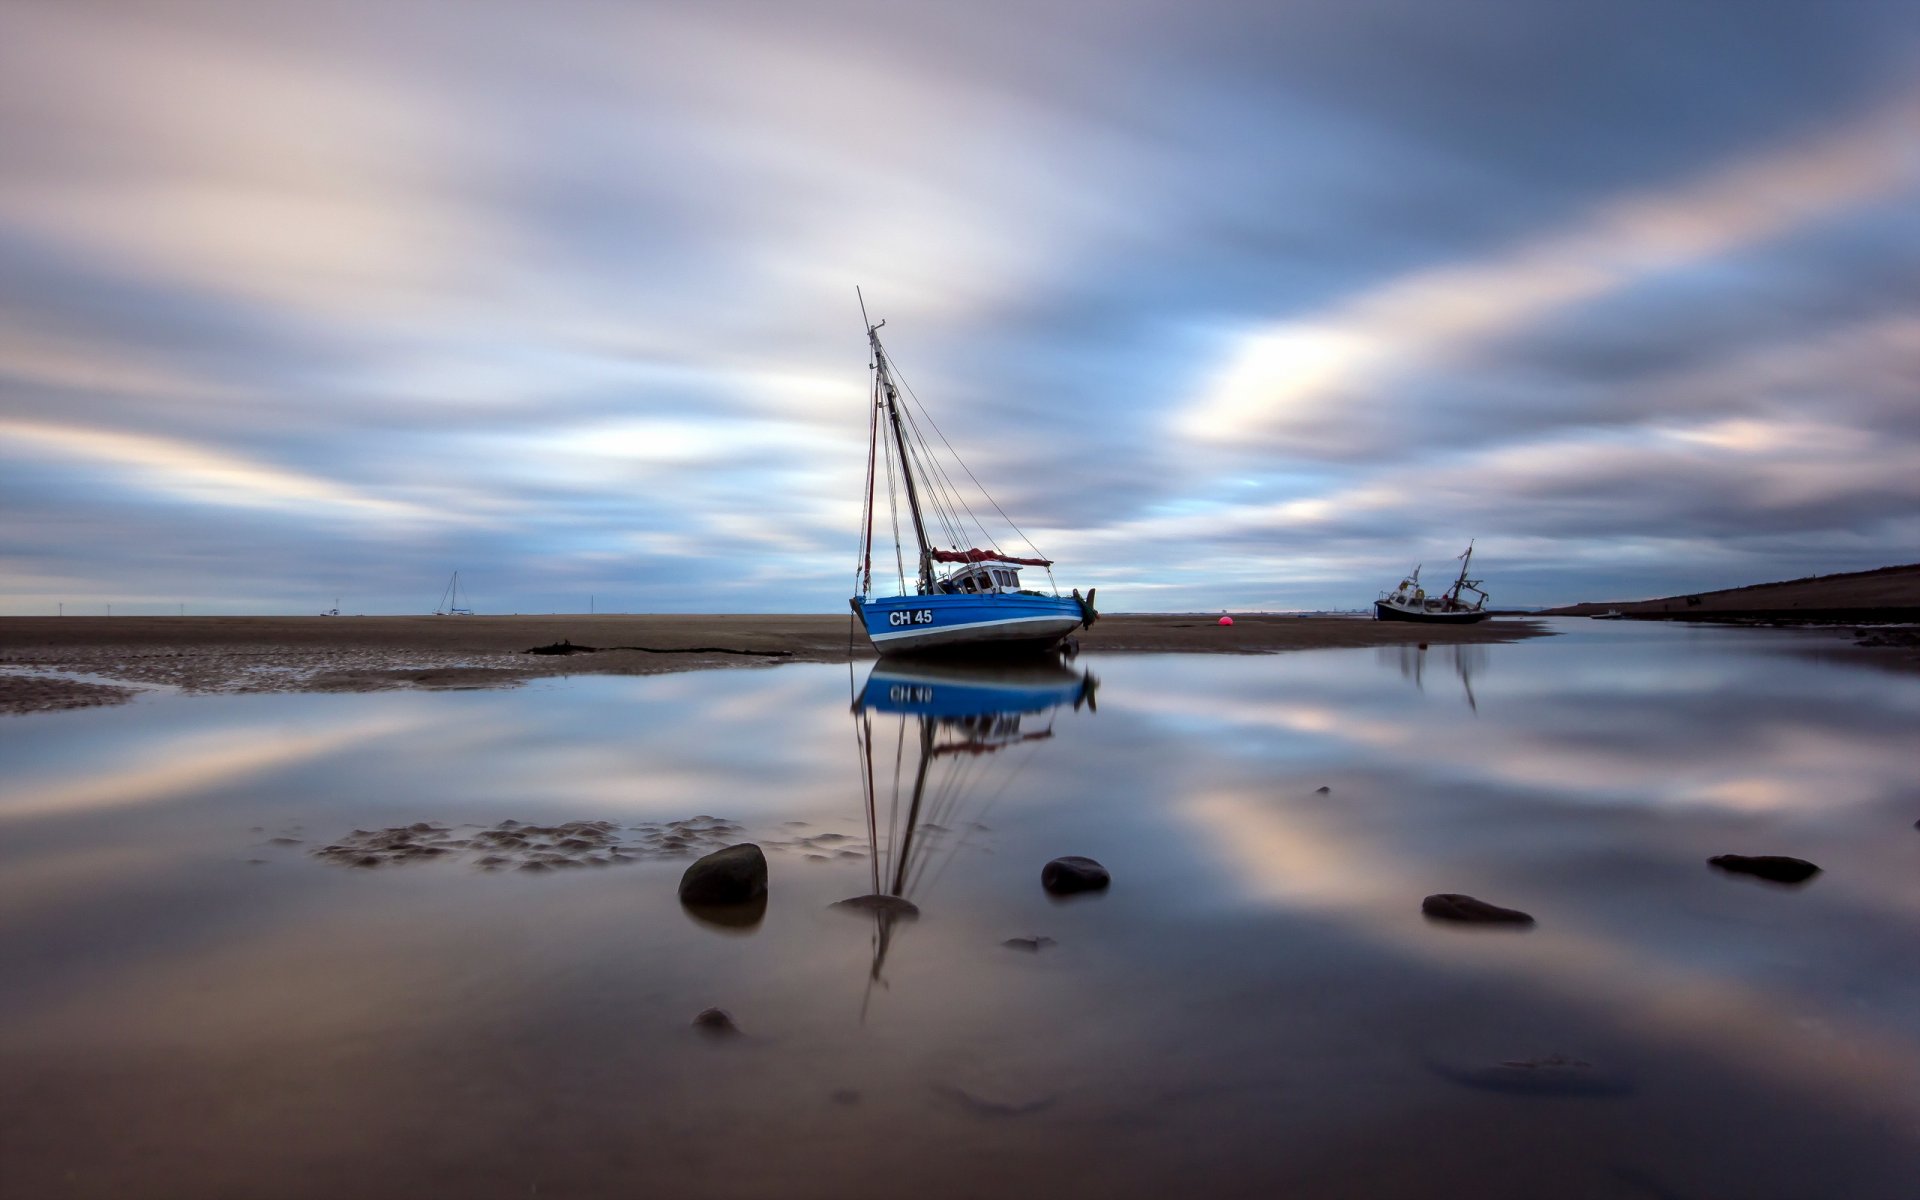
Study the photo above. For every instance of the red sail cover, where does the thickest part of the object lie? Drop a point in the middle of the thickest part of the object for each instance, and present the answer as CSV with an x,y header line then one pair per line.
x,y
974,556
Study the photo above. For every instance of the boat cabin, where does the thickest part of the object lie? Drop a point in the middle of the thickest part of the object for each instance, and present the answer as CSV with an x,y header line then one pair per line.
x,y
982,578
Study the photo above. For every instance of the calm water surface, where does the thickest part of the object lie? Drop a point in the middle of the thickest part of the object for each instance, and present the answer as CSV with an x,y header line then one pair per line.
x,y
1256,1007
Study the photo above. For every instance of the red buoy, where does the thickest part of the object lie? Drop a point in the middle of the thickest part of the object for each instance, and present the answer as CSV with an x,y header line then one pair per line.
x,y
1226,620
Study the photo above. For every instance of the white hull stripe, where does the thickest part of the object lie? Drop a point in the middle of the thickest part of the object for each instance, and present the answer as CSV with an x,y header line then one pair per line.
x,y
1063,622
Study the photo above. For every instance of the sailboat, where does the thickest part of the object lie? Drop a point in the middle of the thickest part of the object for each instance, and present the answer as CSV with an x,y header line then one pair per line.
x,y
450,600
942,781
961,600
1410,602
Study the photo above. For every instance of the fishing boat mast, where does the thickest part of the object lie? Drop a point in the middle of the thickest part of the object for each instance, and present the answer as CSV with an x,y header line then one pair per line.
x,y
889,398
1472,585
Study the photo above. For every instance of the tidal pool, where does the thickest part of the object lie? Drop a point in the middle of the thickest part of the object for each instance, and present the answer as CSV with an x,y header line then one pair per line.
x,y
193,1004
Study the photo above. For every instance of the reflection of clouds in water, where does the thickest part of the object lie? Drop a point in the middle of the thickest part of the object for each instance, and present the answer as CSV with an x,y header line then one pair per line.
x,y
304,1007
165,769
1755,732
1287,856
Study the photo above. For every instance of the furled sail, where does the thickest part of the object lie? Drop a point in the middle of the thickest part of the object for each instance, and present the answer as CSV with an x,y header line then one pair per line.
x,y
974,556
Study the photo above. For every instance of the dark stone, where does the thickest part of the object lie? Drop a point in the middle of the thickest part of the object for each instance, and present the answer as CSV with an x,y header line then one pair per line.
x,y
563,648
1030,945
1776,868
1555,1075
1323,790
734,875
716,1023
1452,906
1017,1105
1074,873
891,906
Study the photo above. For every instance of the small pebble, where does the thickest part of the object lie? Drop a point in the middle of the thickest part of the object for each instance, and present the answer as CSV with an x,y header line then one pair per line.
x,y
715,1021
1452,906
1775,868
1074,873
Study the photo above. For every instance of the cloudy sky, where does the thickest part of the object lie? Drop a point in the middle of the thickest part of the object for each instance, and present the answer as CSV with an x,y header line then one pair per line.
x,y
1230,305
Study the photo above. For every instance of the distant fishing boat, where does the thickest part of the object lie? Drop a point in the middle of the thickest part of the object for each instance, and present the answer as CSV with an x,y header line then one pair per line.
x,y
961,600
1410,602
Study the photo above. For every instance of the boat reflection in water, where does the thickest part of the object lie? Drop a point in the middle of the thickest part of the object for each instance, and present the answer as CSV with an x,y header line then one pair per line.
x,y
1463,659
973,729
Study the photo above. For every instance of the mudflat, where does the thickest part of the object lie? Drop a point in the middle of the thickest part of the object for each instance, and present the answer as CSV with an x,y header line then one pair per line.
x,y
43,659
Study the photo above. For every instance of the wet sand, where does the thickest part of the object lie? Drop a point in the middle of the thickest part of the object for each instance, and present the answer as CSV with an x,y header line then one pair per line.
x,y
121,655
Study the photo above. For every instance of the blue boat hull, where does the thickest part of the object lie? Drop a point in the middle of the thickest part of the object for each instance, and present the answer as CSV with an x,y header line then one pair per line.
x,y
953,690
968,624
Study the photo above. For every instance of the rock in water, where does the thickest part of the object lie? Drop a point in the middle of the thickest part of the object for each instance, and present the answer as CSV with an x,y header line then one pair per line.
x,y
1777,868
1555,1075
1065,876
892,906
1028,945
1323,790
1452,906
715,1022
734,875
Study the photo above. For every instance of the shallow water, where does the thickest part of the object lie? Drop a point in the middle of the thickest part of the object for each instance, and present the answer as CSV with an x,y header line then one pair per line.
x,y
1255,1008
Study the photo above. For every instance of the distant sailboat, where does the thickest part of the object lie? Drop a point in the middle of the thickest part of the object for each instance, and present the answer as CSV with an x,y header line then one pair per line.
x,y
450,600
978,607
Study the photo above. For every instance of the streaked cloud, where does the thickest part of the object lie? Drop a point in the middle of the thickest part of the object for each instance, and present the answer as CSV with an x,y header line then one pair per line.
x,y
1303,378
202,475
1230,306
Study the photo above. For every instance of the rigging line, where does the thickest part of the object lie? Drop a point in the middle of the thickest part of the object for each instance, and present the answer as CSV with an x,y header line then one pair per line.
x,y
947,803
863,569
958,495
893,815
952,493
981,526
931,478
865,732
986,808
958,782
893,509
961,781
1038,553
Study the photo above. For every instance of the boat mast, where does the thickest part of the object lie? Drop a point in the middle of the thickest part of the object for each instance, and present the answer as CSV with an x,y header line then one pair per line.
x,y
1465,561
892,398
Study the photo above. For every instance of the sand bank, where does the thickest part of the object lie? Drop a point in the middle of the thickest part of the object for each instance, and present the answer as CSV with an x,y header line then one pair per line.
x,y
40,655
1857,597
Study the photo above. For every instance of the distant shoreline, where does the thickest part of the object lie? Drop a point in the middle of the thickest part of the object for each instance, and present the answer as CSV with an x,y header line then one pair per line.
x,y
121,656
1880,596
